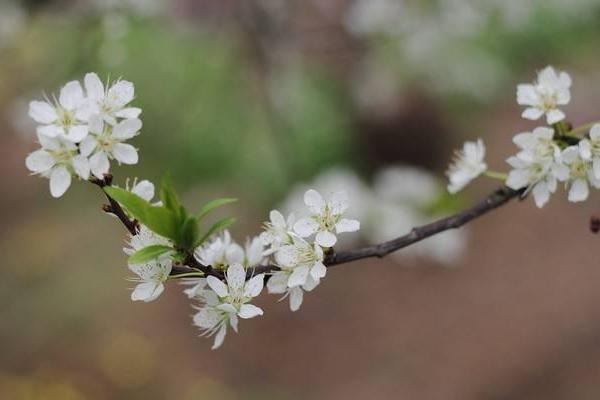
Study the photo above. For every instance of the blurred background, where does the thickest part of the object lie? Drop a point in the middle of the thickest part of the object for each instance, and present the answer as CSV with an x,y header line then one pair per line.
x,y
257,100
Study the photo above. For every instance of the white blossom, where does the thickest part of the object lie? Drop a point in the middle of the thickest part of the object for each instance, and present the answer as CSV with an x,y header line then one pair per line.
x,y
537,166
144,188
254,252
326,218
303,259
590,149
58,161
467,165
545,95
151,275
196,287
227,301
221,252
105,143
110,103
277,230
581,173
64,117
278,284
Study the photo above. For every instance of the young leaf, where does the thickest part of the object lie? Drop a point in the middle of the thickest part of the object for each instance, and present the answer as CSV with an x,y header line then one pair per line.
x,y
189,233
168,196
158,219
211,205
215,228
148,253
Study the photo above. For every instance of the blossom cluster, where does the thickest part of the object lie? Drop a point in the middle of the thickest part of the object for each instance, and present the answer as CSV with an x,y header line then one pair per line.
x,y
297,248
548,154
82,130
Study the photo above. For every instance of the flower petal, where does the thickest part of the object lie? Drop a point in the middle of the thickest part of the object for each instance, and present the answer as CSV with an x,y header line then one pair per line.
x,y
42,112
220,337
236,277
39,161
93,86
314,201
298,276
579,190
77,133
217,286
71,95
130,112
147,291
318,271
532,113
347,225
254,286
50,131
554,116
127,129
326,239
249,311
125,153
296,295
277,283
99,164
305,227
81,166
60,180
144,189
121,93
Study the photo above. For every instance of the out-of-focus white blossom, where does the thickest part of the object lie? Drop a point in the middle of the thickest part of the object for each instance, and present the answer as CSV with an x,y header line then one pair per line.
x,y
467,165
590,149
545,95
227,301
110,104
326,218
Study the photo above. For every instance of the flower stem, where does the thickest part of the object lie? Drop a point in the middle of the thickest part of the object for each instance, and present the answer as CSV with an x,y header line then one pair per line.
x,y
496,175
188,275
580,129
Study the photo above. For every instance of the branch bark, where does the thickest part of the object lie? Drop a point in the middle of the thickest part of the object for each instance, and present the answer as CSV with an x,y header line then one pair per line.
x,y
497,198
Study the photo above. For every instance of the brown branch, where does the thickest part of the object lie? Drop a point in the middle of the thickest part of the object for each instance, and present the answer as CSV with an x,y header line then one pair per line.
x,y
496,199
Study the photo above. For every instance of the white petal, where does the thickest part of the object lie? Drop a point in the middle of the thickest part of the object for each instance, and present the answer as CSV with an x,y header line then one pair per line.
x,y
595,132
249,311
347,225
88,145
144,189
554,116
99,164
277,219
306,227
325,239
296,295
310,283
50,131
60,180
81,166
234,254
254,286
339,202
236,277
596,167
585,149
526,95
127,129
217,286
579,190
71,95
130,112
121,93
517,179
93,86
287,256
318,271
42,112
125,153
77,133
532,113
541,194
207,318
277,283
220,337
228,308
147,291
39,161
233,321
298,276
314,201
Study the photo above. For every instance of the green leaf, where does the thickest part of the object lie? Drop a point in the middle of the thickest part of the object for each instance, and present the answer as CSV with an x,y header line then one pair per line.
x,y
168,195
148,253
189,233
215,228
157,218
211,205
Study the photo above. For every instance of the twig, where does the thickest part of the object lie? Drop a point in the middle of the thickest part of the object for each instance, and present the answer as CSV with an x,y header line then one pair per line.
x,y
496,199
115,208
